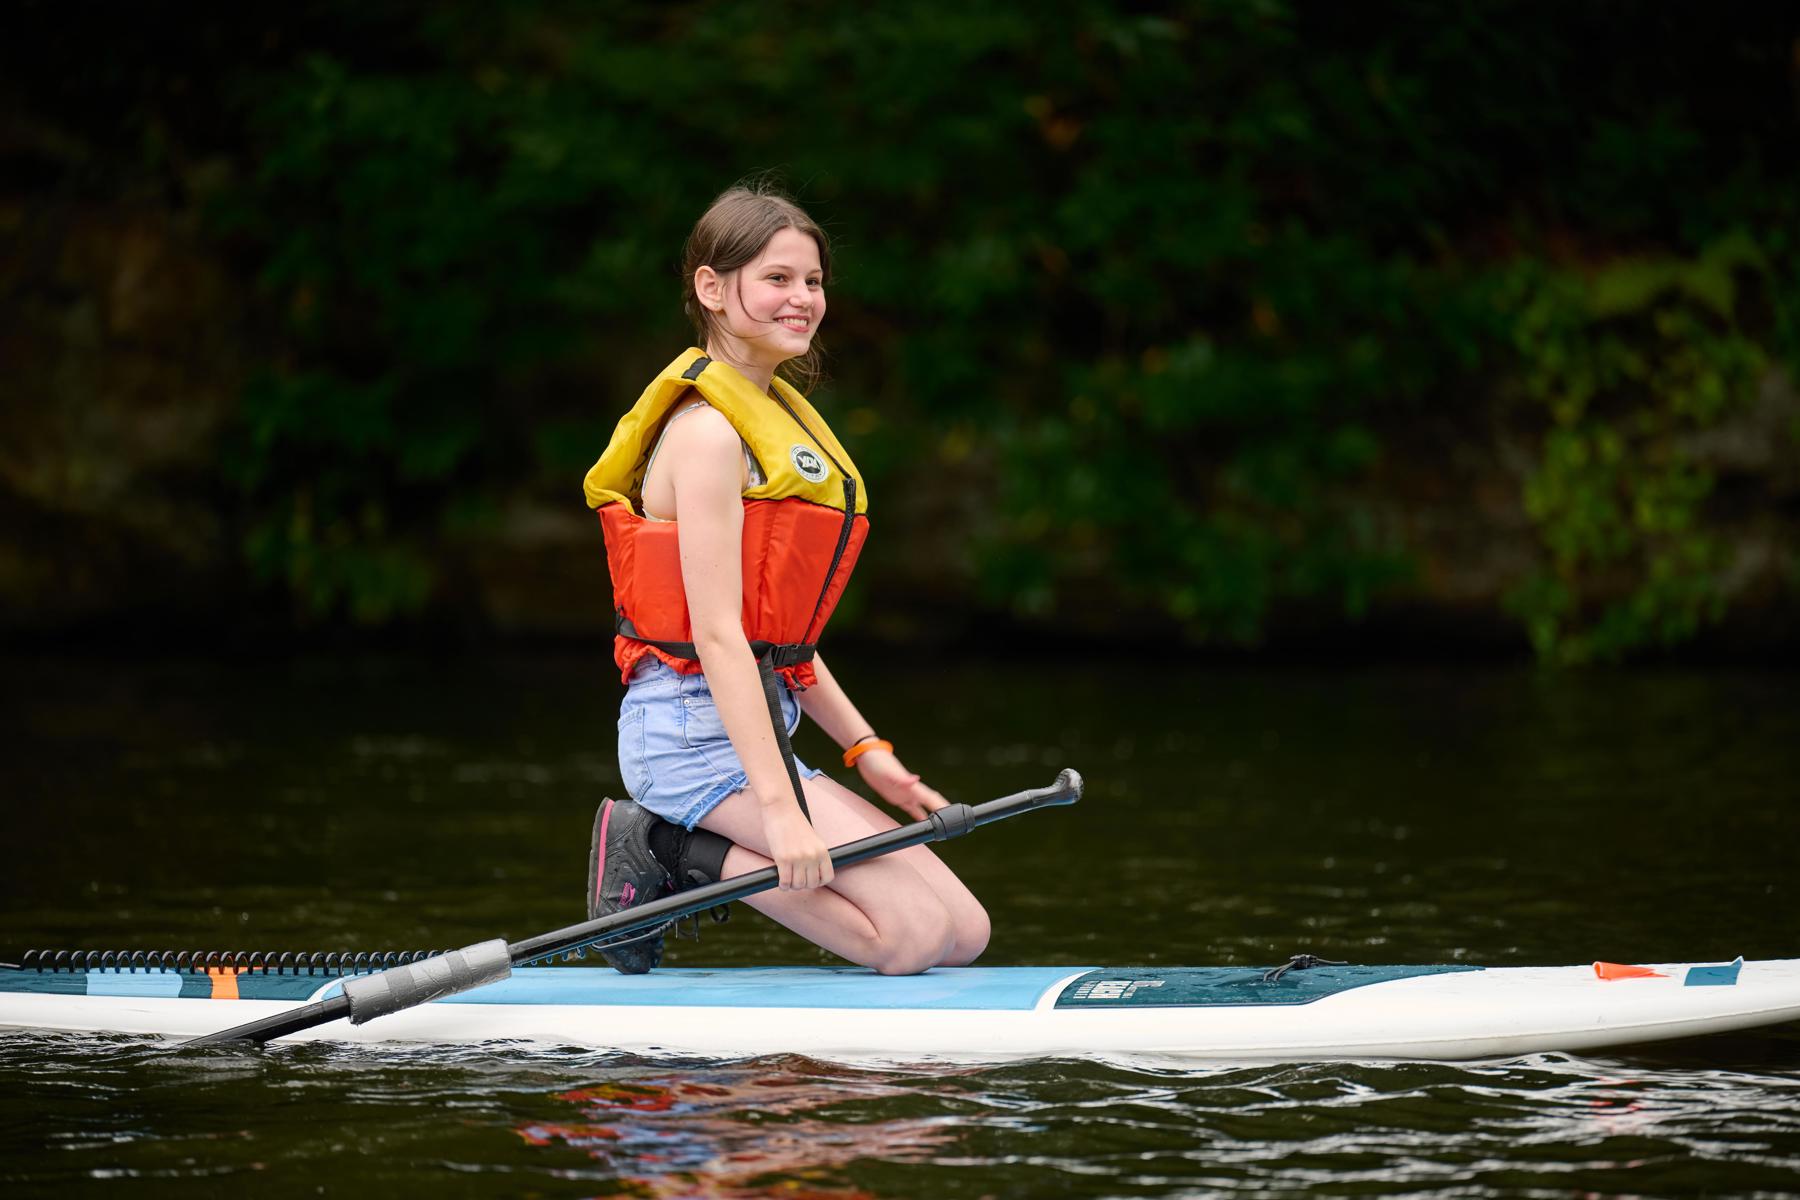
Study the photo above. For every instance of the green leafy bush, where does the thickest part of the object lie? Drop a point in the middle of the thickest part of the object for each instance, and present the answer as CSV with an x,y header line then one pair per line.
x,y
1169,304
1627,363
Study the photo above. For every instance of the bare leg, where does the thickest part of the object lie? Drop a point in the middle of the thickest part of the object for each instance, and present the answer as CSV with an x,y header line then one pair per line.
x,y
968,917
900,914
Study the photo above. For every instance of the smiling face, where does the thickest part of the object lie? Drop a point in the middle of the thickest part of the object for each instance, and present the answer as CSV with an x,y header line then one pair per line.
x,y
767,311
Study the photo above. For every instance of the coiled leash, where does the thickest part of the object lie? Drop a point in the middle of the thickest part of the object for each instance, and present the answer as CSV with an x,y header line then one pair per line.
x,y
1300,962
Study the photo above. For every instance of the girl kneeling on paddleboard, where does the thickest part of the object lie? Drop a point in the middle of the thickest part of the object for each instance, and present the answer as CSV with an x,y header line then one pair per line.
x,y
717,627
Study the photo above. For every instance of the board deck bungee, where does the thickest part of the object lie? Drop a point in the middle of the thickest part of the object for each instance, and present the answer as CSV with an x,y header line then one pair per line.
x,y
973,1013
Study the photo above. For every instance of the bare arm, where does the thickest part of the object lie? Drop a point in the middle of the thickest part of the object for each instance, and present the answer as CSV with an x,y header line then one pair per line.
x,y
829,706
706,462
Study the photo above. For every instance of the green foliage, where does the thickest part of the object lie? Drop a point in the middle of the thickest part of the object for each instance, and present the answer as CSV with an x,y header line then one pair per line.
x,y
1170,295
1627,364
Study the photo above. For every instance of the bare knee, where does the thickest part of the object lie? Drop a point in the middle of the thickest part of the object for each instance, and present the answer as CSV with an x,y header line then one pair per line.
x,y
972,930
907,958
922,938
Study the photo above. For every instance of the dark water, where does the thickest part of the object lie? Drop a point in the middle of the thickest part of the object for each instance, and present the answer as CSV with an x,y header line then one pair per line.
x,y
1479,815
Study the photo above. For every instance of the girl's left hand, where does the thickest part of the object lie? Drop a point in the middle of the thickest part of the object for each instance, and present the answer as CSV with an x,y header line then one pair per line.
x,y
901,788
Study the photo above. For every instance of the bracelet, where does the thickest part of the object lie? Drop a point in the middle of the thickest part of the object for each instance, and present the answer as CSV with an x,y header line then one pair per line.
x,y
863,747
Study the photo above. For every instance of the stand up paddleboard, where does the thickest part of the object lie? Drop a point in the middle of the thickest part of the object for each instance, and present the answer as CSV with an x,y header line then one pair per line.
x,y
1305,1009
1316,1013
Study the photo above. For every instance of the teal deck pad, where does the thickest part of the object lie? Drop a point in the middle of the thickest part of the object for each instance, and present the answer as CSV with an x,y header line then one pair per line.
x,y
1203,987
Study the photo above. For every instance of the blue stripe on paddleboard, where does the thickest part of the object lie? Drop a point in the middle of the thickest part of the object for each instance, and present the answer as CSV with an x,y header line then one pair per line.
x,y
132,983
989,988
91,983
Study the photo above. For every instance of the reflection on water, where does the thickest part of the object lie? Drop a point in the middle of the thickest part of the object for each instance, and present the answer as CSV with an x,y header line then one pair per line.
x,y
580,1122
739,1132
1232,817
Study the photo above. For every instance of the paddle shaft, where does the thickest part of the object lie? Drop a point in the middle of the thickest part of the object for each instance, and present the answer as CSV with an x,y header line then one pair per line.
x,y
474,966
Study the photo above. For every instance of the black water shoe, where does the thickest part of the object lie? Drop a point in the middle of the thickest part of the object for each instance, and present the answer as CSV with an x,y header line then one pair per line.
x,y
623,873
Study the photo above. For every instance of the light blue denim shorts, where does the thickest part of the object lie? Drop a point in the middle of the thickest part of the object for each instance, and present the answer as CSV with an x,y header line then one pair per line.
x,y
673,752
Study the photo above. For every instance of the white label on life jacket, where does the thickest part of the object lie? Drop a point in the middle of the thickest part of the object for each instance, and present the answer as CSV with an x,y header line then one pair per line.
x,y
812,468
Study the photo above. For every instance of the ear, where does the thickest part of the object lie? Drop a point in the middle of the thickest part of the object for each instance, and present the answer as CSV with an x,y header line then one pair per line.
x,y
710,288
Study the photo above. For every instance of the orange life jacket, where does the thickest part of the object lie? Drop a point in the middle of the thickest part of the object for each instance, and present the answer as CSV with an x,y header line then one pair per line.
x,y
803,525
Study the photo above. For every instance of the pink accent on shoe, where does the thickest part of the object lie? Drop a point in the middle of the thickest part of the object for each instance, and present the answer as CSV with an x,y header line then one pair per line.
x,y
628,894
600,866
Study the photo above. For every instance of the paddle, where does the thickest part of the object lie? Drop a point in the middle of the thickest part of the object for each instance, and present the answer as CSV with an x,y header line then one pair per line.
x,y
366,997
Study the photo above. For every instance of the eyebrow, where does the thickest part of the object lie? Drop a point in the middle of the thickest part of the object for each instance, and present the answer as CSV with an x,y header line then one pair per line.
x,y
786,267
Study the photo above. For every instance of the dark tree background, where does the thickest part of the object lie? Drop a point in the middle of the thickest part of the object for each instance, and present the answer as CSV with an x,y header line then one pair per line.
x,y
1230,322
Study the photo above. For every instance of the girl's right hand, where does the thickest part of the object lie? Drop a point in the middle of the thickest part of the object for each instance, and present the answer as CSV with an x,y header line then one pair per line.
x,y
802,859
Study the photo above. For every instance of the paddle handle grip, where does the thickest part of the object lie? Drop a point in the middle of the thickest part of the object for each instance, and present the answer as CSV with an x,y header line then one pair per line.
x,y
1066,790
954,820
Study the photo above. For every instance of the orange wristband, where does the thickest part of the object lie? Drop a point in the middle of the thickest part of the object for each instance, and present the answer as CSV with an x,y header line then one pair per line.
x,y
861,748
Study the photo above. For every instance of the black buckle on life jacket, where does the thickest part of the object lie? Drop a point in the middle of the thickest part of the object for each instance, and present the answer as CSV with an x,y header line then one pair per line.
x,y
788,655
779,655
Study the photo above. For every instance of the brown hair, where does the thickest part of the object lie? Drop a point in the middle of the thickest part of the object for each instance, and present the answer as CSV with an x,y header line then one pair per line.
x,y
732,231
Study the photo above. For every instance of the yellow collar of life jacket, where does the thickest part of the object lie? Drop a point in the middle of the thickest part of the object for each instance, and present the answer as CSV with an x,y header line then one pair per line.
x,y
800,457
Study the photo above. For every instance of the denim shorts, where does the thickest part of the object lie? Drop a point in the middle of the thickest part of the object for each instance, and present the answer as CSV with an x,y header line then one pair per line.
x,y
673,752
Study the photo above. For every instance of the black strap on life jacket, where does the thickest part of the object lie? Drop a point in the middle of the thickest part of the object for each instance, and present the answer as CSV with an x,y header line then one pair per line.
x,y
772,655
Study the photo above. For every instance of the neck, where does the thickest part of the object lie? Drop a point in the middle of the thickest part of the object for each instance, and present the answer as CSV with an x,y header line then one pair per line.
x,y
761,377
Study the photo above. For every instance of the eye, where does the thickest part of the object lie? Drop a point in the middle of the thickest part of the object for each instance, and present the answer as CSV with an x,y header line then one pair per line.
x,y
815,281
778,277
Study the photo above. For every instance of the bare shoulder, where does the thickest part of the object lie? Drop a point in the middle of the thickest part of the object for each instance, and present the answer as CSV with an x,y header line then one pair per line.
x,y
705,457
706,435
